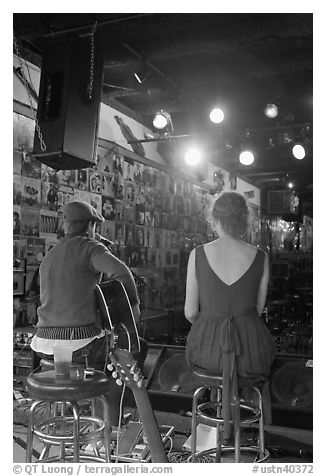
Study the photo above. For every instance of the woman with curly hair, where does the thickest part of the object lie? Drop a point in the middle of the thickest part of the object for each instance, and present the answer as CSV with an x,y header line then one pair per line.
x,y
227,281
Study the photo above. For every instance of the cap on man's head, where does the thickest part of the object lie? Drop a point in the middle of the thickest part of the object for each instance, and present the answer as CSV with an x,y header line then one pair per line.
x,y
81,211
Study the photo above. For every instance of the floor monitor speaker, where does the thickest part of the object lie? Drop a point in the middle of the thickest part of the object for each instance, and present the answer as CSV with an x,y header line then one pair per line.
x,y
167,371
292,382
67,114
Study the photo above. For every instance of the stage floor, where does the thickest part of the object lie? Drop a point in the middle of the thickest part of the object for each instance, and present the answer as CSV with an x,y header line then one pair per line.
x,y
286,445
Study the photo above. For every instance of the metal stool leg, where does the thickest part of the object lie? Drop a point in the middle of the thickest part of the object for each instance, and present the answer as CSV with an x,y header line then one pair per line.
x,y
76,426
237,439
45,451
195,398
218,453
237,430
29,443
93,413
261,425
107,430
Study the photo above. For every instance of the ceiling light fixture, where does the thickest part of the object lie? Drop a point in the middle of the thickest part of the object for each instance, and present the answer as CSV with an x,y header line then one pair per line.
x,y
246,157
193,156
298,151
162,120
271,111
216,115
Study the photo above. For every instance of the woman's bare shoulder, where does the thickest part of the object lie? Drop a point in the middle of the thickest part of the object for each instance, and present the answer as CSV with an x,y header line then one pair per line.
x,y
251,249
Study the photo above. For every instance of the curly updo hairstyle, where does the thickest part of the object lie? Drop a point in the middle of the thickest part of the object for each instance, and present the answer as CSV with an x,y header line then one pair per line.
x,y
231,210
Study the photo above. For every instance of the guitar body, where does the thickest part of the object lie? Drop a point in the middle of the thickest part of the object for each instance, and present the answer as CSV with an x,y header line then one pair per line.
x,y
116,312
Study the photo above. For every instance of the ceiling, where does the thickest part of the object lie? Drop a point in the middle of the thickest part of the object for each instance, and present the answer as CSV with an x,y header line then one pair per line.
x,y
238,61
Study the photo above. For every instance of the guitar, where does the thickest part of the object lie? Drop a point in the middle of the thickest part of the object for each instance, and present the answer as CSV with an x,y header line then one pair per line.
x,y
125,367
116,311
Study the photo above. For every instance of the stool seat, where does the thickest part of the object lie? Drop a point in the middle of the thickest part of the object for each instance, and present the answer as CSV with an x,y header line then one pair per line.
x,y
206,377
50,387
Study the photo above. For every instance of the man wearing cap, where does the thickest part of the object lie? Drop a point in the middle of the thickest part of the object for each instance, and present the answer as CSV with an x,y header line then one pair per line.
x,y
69,273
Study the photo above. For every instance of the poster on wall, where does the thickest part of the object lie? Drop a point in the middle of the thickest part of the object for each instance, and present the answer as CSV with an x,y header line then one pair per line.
x,y
30,221
130,190
17,163
19,247
49,196
23,128
35,250
108,229
48,223
108,208
17,189
129,234
31,167
107,185
128,170
65,196
48,174
139,214
16,219
67,178
118,209
96,201
104,160
95,181
118,163
31,192
119,236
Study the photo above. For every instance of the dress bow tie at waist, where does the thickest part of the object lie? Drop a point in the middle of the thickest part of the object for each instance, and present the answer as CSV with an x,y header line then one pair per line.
x,y
229,337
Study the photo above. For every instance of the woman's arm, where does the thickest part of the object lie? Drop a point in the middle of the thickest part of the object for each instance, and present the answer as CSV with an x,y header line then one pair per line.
x,y
191,307
263,287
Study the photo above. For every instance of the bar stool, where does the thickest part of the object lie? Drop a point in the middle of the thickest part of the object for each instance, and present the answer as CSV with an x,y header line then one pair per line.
x,y
245,414
69,430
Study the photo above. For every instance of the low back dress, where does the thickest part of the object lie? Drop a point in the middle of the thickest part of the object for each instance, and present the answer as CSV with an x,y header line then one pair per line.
x,y
228,337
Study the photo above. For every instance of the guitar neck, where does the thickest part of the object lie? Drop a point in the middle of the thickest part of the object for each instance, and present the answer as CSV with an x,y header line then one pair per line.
x,y
151,430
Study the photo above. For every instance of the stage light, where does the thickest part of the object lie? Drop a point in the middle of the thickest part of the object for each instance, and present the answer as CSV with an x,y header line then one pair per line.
x,y
271,111
246,157
193,156
216,115
290,184
161,119
298,151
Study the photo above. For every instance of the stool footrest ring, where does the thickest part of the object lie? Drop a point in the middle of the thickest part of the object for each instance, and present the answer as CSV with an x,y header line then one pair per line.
x,y
40,430
229,449
254,414
82,457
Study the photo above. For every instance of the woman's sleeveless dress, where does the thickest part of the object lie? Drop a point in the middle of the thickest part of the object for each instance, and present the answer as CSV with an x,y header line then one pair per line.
x,y
228,337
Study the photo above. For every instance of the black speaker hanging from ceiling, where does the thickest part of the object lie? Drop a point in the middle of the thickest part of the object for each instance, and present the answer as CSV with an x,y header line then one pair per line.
x,y
68,112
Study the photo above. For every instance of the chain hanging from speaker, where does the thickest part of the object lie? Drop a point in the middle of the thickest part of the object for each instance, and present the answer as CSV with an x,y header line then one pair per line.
x,y
25,82
91,69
